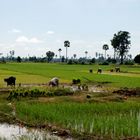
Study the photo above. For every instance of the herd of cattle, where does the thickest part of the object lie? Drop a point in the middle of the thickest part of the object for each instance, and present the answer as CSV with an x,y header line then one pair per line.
x,y
117,69
55,81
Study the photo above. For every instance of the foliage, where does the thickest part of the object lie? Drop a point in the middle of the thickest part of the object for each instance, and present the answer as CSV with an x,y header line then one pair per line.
x,y
121,43
129,62
66,44
137,59
33,59
92,60
63,59
19,59
104,63
23,93
70,62
50,55
105,47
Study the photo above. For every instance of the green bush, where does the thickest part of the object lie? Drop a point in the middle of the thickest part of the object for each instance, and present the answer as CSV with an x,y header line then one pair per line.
x,y
22,93
129,63
104,63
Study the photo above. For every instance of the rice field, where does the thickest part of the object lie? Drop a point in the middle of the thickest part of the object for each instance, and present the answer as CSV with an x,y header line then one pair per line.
x,y
104,114
30,73
104,119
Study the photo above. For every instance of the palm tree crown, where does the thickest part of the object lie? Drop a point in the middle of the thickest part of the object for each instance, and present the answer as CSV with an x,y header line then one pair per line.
x,y
66,44
105,47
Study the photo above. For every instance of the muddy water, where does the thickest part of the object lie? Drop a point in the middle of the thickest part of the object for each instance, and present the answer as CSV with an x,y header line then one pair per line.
x,y
14,132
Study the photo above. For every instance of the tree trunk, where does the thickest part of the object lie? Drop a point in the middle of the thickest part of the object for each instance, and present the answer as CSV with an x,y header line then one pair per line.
x,y
105,54
114,54
121,59
66,54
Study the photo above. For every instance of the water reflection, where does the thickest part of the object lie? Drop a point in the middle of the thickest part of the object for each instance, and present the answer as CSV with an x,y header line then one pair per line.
x,y
14,132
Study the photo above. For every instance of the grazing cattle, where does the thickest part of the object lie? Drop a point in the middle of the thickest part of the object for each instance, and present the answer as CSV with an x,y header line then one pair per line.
x,y
54,82
117,69
111,70
99,70
90,70
10,81
76,81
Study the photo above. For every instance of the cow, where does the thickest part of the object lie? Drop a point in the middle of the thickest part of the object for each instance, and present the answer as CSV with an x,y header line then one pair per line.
x,y
117,69
111,70
10,81
76,81
99,70
54,82
90,70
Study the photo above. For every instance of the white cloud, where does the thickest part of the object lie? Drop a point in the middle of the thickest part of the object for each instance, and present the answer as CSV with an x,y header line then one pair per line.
x,y
50,32
14,31
59,41
2,44
35,40
24,39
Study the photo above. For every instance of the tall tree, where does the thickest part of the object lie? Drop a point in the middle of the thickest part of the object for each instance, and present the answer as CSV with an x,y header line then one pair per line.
x,y
96,54
74,56
66,44
86,52
121,44
105,47
137,59
50,55
12,52
19,59
60,53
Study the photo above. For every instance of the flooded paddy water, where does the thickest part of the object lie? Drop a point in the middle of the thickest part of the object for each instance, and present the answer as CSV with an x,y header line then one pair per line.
x,y
15,132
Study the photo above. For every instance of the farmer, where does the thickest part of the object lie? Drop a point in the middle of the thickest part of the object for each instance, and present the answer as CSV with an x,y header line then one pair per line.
x,y
54,82
99,70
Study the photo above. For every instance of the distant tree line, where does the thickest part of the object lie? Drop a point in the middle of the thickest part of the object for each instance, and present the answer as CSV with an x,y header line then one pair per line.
x,y
120,43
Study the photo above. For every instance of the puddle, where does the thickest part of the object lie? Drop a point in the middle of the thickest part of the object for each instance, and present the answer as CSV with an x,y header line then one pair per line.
x,y
14,132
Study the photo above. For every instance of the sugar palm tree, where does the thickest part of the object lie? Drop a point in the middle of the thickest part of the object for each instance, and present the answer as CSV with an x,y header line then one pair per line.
x,y
66,44
105,47
86,52
60,53
74,56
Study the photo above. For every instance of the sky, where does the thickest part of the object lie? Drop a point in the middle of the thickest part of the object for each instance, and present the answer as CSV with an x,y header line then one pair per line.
x,y
33,27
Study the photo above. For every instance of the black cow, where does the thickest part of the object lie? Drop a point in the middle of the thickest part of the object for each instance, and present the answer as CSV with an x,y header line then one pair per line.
x,y
117,69
10,81
90,70
76,81
111,70
99,70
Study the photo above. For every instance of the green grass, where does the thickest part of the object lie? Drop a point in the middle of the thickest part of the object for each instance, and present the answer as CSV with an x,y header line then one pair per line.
x,y
104,119
43,72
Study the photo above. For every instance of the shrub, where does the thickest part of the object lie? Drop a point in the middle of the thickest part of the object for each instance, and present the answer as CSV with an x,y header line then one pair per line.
x,y
70,62
104,63
34,93
129,63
